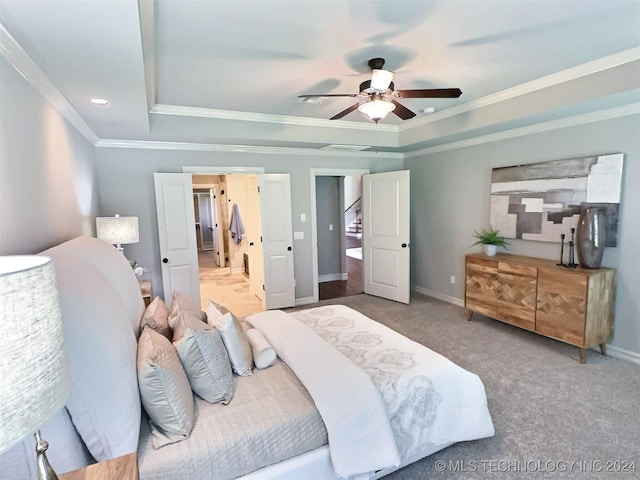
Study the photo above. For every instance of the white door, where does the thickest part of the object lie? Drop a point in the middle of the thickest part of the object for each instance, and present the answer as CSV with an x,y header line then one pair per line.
x,y
177,235
277,241
254,231
385,235
218,228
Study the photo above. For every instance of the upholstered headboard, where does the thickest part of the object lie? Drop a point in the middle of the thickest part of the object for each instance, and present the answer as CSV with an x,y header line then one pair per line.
x,y
101,307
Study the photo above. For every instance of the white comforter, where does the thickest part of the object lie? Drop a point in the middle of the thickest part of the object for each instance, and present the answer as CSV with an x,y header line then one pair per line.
x,y
360,436
429,400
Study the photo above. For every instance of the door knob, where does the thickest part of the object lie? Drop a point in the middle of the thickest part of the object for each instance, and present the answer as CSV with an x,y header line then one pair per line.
x,y
251,244
289,248
165,260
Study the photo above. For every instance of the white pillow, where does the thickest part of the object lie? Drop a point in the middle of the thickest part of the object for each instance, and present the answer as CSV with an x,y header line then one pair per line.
x,y
234,338
164,389
263,353
205,360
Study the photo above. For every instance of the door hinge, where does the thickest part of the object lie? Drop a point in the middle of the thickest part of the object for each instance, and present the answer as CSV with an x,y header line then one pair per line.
x,y
260,238
263,289
258,188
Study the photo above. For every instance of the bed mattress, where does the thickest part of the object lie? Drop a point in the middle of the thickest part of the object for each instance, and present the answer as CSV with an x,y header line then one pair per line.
x,y
271,418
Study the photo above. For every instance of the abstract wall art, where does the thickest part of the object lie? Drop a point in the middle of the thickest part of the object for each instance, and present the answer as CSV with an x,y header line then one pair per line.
x,y
540,201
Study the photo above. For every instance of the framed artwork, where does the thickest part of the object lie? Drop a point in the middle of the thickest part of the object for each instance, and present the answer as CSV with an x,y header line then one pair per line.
x,y
540,201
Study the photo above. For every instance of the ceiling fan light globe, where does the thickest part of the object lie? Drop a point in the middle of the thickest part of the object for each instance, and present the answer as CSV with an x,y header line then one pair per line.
x,y
381,79
376,110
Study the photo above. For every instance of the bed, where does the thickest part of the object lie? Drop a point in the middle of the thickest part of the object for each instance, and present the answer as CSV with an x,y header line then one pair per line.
x,y
429,402
345,396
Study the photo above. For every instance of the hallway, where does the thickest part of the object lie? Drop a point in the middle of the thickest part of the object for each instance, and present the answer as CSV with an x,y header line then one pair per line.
x,y
354,284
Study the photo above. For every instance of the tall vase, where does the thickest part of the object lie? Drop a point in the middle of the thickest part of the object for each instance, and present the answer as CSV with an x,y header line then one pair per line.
x,y
591,237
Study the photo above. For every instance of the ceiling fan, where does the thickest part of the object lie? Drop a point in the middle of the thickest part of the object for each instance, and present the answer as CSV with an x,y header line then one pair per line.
x,y
380,95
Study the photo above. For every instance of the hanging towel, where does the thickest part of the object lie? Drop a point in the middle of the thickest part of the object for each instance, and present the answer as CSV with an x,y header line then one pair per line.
x,y
235,226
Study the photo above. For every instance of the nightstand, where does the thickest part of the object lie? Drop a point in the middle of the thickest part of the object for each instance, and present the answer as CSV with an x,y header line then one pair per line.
x,y
121,468
145,290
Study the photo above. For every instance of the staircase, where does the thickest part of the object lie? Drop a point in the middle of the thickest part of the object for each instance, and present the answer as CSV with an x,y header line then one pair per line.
x,y
355,228
353,219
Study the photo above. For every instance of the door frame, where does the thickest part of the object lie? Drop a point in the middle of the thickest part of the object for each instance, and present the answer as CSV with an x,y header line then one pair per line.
x,y
323,172
213,170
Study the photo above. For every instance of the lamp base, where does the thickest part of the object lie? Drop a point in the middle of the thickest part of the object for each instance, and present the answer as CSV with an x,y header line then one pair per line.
x,y
45,472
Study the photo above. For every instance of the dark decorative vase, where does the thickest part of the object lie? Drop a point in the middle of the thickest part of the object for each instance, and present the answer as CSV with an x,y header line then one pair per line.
x,y
591,237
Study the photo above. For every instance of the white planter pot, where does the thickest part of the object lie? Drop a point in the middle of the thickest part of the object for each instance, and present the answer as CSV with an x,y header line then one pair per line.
x,y
490,250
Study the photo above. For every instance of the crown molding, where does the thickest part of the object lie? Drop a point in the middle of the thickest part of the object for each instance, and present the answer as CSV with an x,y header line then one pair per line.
x,y
211,147
162,109
606,114
573,73
20,60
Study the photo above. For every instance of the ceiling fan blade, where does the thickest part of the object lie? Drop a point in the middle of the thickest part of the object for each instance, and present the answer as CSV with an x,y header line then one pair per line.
x,y
430,93
345,112
329,95
403,112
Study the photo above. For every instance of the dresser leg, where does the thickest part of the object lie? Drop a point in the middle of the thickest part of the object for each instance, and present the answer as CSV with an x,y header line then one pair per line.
x,y
469,314
603,349
583,353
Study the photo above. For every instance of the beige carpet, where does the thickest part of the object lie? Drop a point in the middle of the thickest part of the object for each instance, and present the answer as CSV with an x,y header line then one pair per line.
x,y
554,418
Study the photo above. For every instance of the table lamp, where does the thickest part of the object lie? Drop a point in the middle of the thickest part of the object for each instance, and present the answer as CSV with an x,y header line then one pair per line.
x,y
34,371
117,230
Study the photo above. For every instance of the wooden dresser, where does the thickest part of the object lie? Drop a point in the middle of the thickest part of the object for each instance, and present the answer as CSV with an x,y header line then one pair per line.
x,y
574,306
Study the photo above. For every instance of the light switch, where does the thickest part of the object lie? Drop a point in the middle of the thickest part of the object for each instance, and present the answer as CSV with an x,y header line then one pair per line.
x,y
303,217
331,227
298,235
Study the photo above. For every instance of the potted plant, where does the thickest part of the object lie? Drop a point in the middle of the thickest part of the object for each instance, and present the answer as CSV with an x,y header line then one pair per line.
x,y
490,240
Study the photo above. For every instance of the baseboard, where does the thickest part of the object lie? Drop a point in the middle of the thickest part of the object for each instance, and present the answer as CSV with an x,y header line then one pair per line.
x,y
440,296
305,301
621,353
332,277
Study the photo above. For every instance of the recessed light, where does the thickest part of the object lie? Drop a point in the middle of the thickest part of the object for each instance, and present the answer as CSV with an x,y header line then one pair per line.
x,y
99,101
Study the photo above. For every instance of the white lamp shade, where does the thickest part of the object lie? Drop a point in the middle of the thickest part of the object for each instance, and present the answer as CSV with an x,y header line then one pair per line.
x,y
117,230
376,110
381,79
35,381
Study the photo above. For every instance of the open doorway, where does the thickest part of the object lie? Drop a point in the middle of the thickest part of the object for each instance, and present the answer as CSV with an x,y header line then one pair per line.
x,y
339,236
229,264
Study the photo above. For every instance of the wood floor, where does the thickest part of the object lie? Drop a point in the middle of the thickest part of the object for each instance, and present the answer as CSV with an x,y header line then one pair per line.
x,y
345,288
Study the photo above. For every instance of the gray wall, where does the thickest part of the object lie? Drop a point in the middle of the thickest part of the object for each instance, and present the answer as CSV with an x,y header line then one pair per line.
x,y
126,187
450,193
328,207
48,186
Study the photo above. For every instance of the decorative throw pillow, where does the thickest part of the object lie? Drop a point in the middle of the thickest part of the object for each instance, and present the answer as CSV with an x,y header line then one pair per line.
x,y
263,353
156,316
164,389
234,338
204,358
182,303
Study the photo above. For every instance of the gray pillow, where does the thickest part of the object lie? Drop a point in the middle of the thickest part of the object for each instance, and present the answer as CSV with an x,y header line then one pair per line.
x,y
204,358
234,338
156,316
164,389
